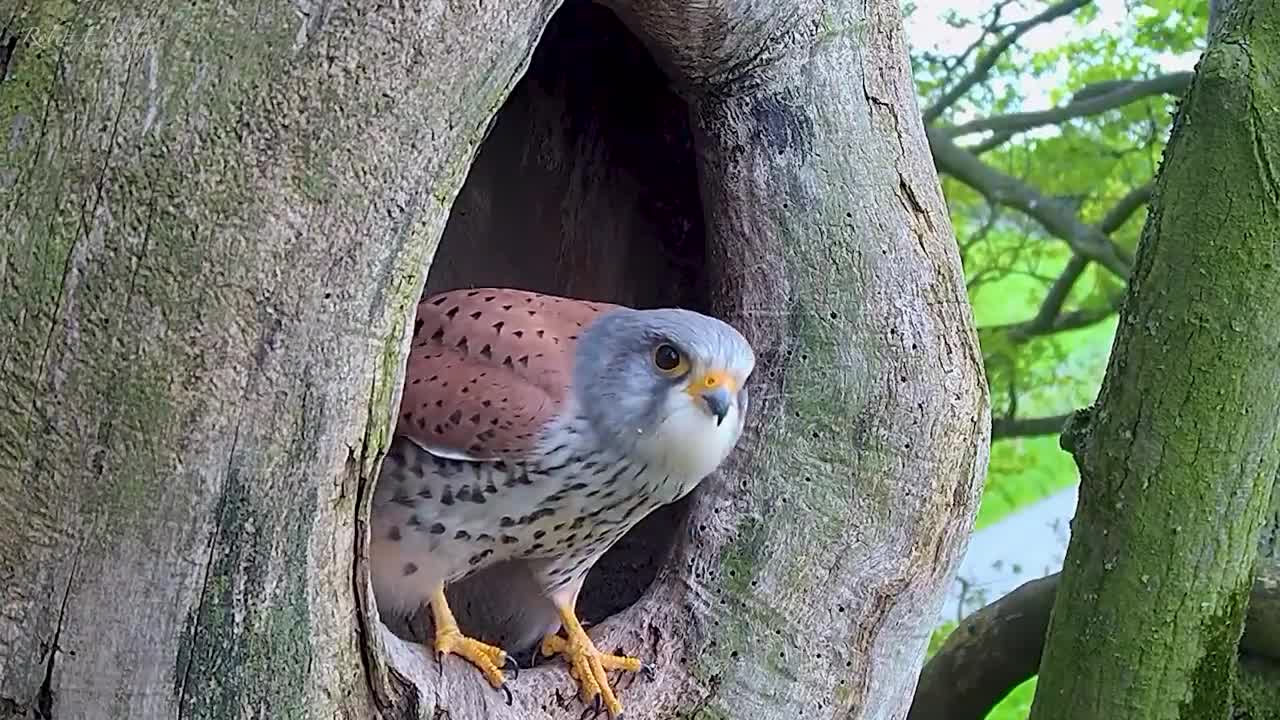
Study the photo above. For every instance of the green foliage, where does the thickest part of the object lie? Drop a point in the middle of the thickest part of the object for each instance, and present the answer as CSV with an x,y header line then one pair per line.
x,y
940,635
1024,471
1088,164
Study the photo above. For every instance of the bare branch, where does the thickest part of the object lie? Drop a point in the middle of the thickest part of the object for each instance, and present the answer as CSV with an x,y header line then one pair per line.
x,y
991,652
1049,318
1125,209
1051,306
988,60
1099,88
989,144
1058,219
1078,319
997,648
1129,92
1009,428
990,28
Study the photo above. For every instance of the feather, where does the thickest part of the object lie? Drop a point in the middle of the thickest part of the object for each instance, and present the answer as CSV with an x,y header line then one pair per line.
x,y
488,369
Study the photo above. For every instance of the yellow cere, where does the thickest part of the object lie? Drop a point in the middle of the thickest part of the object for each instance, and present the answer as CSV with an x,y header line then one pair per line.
x,y
712,380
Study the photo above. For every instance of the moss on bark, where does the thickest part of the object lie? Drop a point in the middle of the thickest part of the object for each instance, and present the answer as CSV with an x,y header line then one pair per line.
x,y
215,219
1179,455
854,318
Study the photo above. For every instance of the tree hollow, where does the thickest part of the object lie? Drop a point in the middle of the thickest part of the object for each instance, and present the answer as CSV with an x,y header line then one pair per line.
x,y
586,186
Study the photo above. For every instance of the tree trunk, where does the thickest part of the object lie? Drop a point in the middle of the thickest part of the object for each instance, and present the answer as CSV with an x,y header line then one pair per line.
x,y
1180,453
999,647
1269,535
216,223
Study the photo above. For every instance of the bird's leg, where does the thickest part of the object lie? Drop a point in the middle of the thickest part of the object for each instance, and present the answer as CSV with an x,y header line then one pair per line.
x,y
587,665
451,641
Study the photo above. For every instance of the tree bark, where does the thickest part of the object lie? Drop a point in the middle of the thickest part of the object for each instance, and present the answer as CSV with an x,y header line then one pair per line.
x,y
992,651
1179,455
217,222
1269,539
997,648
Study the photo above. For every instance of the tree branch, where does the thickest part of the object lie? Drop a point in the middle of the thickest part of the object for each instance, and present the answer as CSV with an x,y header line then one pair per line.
x,y
1125,208
1129,92
988,60
990,143
1049,324
990,28
1009,428
1051,306
1083,318
997,648
992,651
1049,318
1059,220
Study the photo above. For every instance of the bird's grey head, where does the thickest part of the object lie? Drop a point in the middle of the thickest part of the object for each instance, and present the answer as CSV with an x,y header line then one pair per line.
x,y
669,384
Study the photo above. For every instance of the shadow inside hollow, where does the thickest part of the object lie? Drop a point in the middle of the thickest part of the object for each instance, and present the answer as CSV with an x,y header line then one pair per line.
x,y
586,187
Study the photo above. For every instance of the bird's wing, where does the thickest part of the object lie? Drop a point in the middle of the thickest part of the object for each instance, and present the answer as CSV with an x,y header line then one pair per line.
x,y
488,368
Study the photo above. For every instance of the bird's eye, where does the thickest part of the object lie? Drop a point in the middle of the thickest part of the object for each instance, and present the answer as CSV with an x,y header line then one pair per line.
x,y
668,359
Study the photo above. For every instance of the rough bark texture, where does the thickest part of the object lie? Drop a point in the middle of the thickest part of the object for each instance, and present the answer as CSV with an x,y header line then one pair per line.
x,y
1269,535
1257,690
216,221
1179,455
221,219
999,647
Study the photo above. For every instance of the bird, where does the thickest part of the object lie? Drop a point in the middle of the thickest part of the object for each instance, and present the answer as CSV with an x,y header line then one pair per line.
x,y
534,431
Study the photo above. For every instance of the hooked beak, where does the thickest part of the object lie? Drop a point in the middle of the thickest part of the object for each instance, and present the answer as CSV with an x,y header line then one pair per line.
x,y
718,403
714,388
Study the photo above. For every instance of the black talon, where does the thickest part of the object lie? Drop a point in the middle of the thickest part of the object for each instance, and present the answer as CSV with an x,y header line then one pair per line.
x,y
512,667
593,710
507,691
649,671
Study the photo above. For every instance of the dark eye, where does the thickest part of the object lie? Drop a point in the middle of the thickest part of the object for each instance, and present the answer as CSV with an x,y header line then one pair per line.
x,y
666,358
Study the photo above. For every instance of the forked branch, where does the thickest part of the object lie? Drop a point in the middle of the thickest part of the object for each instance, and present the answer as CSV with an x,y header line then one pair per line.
x,y
982,68
1058,219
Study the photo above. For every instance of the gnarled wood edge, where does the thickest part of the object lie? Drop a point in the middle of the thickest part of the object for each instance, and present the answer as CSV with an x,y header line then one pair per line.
x,y
812,562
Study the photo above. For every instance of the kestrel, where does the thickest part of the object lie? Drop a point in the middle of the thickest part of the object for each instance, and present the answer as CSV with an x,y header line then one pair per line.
x,y
541,429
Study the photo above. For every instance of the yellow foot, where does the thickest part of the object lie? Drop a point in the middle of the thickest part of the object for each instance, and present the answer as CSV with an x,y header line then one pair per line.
x,y
588,665
451,641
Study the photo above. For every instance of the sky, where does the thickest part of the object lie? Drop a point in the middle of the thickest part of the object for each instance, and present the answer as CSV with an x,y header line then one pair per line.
x,y
927,30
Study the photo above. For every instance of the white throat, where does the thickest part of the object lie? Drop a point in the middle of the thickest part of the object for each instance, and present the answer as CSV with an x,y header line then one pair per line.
x,y
688,444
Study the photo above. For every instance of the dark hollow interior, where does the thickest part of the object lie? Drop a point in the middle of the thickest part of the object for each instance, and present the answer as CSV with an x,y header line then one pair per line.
x,y
586,186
